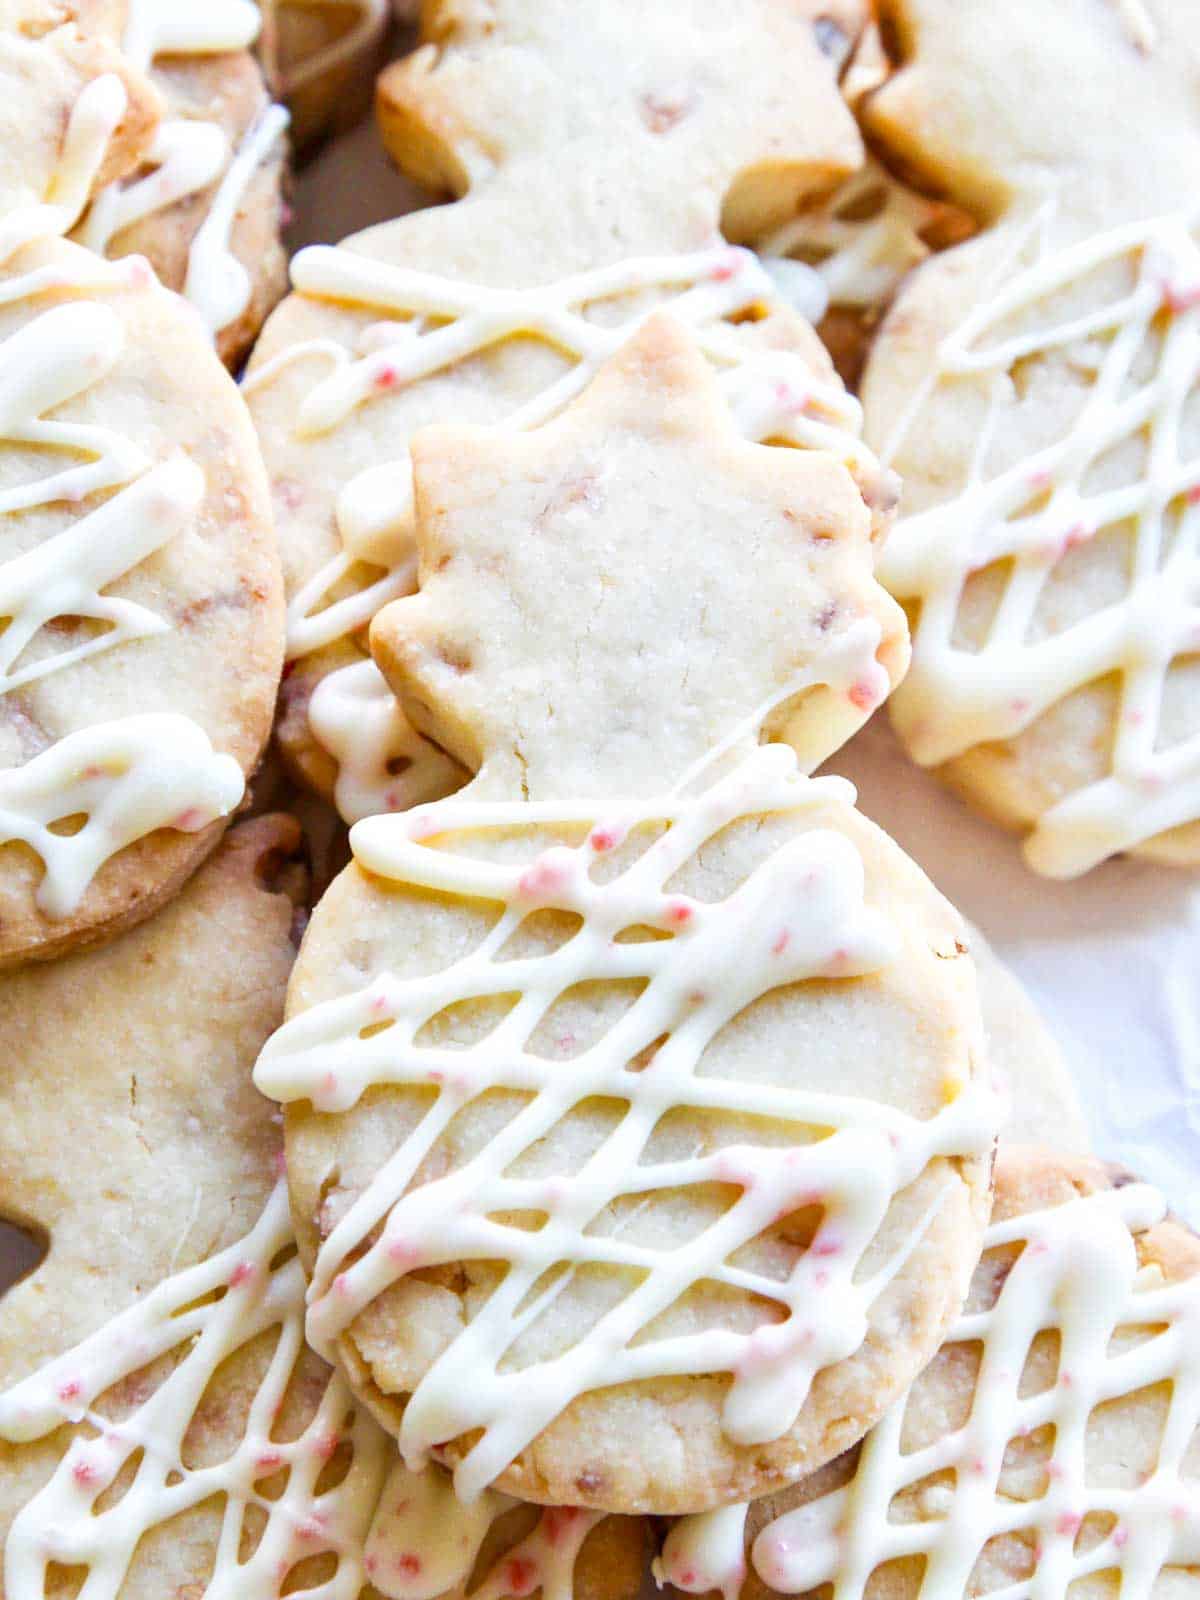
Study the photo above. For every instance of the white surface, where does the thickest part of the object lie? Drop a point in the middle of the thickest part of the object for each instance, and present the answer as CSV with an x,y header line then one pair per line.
x,y
1113,959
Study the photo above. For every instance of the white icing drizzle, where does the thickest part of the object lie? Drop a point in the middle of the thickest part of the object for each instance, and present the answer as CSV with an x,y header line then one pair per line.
x,y
861,240
217,283
799,915
424,1543
93,120
129,777
367,30
126,778
189,155
1122,1329
1036,511
705,1552
433,324
383,762
205,1314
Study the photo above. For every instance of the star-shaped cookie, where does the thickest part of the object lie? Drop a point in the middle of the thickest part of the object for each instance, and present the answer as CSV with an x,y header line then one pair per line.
x,y
606,599
695,92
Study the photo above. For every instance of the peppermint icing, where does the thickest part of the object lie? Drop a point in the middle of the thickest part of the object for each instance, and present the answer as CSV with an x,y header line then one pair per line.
x,y
189,155
402,1532
203,1316
1123,1329
425,1543
1141,351
432,324
383,762
798,916
128,777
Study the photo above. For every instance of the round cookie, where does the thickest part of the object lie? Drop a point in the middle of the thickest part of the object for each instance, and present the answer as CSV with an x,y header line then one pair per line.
x,y
569,1005
319,58
1036,389
502,305
1053,1443
138,685
139,1439
47,62
205,208
148,1068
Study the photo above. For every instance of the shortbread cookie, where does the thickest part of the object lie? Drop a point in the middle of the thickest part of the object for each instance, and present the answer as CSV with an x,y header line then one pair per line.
x,y
138,672
1036,389
500,307
1053,1444
156,1388
146,1442
47,61
319,57
1042,1097
205,208
578,995
138,570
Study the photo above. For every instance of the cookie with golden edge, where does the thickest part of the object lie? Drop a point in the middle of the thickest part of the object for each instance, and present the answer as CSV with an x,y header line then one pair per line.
x,y
502,305
675,991
1036,389
205,207
139,576
139,571
134,1432
48,58
320,58
1052,1440
258,1474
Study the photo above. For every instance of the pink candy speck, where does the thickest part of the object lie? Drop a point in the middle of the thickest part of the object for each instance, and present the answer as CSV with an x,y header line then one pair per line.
x,y
780,942
1068,1523
1120,1536
84,1472
409,1564
191,820
70,1389
862,694
241,1274
602,839
521,1576
679,912
386,378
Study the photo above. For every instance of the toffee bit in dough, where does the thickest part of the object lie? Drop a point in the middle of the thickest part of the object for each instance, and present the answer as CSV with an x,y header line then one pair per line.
x,y
798,916
1144,347
1123,1331
205,1315
126,778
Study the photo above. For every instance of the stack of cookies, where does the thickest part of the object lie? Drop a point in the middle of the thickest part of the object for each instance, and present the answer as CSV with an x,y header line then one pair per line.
x,y
613,1163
